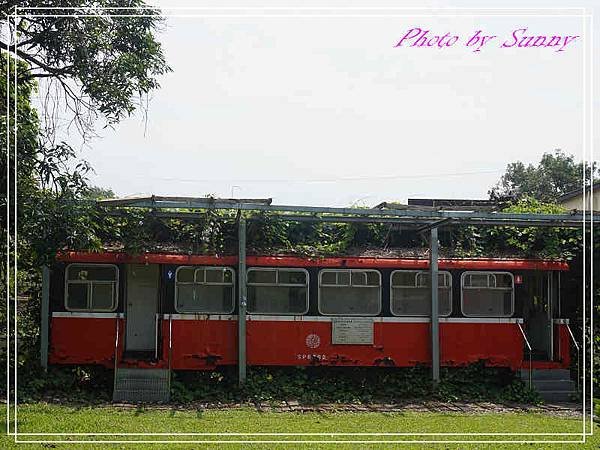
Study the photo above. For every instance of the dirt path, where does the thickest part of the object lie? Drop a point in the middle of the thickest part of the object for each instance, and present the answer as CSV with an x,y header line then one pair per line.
x,y
565,410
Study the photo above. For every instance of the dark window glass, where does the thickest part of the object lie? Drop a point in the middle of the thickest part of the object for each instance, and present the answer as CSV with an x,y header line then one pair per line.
x,y
215,276
277,299
292,277
349,300
185,275
204,298
78,272
262,276
102,296
77,296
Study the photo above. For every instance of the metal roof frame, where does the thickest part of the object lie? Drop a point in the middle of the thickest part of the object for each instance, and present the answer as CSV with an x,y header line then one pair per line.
x,y
412,216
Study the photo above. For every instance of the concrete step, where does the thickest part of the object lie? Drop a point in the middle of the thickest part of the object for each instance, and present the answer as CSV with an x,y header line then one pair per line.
x,y
554,385
558,396
546,374
136,385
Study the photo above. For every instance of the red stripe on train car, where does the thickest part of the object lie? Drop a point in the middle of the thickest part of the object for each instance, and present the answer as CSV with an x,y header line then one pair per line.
x,y
297,261
406,263
150,258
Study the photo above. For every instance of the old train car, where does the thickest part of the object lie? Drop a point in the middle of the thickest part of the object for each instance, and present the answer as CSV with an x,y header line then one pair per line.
x,y
180,312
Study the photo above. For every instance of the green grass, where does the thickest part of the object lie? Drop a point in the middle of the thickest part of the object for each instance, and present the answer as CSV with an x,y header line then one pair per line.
x,y
54,418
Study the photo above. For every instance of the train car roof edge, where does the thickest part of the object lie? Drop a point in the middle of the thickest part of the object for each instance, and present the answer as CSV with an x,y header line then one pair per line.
x,y
309,261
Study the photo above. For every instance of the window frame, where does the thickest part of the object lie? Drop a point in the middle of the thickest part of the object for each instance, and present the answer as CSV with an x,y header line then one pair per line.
x,y
90,283
204,283
494,273
416,286
277,284
350,285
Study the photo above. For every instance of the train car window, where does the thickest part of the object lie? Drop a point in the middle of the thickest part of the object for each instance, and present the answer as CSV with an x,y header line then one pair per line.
x,y
479,280
338,277
204,290
359,279
185,274
487,294
349,292
277,291
262,276
410,293
91,287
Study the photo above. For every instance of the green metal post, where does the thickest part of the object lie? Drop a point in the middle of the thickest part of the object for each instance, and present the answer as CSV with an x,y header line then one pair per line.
x,y
44,317
242,300
435,321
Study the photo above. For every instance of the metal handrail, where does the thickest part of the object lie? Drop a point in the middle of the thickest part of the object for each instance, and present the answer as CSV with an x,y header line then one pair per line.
x,y
116,352
156,317
577,348
530,351
170,347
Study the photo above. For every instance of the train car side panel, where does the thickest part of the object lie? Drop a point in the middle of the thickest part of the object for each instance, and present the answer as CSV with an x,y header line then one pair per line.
x,y
402,344
83,340
201,343
562,344
498,344
306,342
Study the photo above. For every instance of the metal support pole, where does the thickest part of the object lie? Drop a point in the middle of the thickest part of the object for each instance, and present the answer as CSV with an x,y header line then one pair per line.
x,y
242,300
550,316
435,320
44,318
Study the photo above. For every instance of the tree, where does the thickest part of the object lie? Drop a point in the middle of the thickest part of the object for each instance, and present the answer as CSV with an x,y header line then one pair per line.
x,y
99,193
98,67
94,64
536,189
556,174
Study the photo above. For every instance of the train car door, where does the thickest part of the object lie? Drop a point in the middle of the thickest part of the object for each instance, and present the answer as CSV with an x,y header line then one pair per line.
x,y
538,314
142,306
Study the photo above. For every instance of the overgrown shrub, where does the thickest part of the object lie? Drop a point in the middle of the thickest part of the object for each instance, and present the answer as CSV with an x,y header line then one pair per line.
x,y
90,384
310,385
305,385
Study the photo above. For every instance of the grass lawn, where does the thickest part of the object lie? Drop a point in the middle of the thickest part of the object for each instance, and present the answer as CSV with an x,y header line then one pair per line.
x,y
48,418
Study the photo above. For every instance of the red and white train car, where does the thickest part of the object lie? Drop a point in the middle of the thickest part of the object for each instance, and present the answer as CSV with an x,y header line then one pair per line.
x,y
180,311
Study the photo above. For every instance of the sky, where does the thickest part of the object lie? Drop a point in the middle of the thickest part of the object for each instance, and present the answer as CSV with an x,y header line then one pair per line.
x,y
315,110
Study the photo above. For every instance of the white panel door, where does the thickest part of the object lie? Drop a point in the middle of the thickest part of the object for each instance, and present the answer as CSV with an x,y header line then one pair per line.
x,y
142,304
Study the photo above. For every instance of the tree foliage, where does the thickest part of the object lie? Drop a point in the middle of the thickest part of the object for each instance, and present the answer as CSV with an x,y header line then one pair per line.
x,y
97,64
556,174
537,189
531,242
97,67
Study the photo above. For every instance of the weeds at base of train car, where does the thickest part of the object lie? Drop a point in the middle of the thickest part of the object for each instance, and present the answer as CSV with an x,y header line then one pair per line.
x,y
301,385
345,385
76,384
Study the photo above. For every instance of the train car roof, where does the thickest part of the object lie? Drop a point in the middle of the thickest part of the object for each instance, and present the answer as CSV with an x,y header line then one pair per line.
x,y
368,259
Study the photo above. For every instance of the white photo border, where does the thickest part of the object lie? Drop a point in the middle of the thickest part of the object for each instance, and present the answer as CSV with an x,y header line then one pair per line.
x,y
587,151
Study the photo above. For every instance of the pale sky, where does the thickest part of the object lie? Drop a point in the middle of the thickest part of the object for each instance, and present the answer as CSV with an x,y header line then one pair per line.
x,y
327,111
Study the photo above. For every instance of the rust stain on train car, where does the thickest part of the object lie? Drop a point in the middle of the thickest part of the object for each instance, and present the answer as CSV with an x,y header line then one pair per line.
x,y
385,361
343,359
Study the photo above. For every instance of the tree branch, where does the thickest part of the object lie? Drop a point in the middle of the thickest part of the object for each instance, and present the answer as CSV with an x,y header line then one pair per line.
x,y
21,54
39,35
